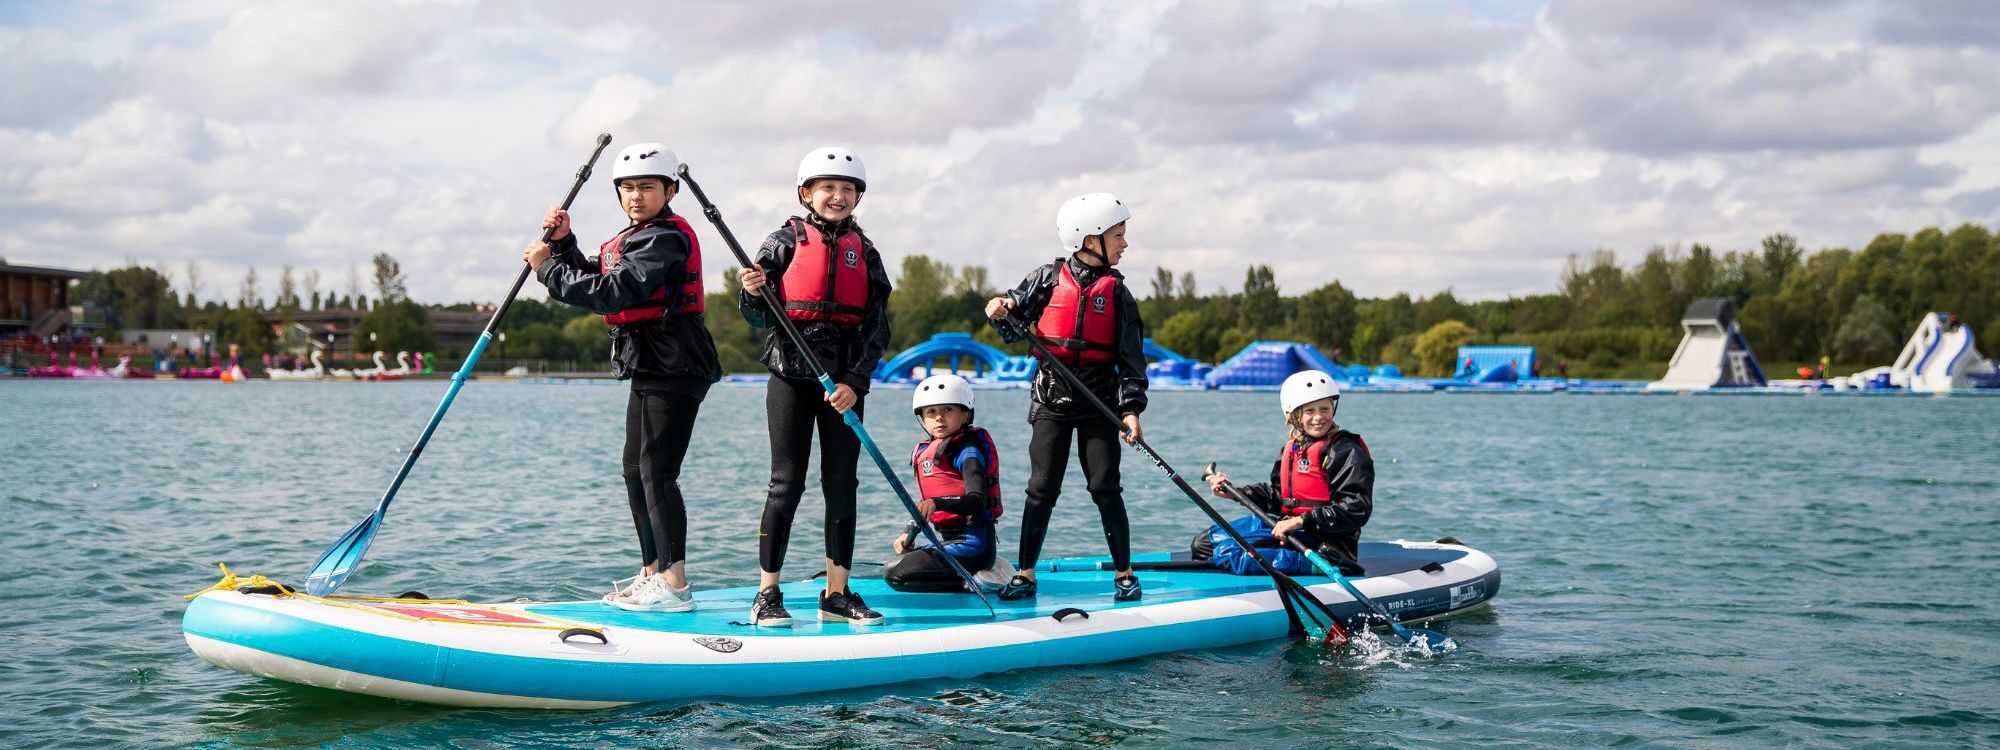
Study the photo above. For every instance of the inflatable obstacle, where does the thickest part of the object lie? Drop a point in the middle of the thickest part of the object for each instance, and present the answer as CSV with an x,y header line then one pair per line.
x,y
1495,364
1166,367
1268,363
1712,353
979,360
1940,357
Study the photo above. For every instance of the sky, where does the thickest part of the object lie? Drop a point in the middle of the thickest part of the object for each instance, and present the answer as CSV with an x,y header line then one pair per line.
x,y
1390,146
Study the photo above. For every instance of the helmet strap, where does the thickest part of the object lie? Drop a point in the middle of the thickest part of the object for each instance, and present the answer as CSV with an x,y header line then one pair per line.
x,y
1083,249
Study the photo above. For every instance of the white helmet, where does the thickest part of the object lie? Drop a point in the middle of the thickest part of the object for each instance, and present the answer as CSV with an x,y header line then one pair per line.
x,y
941,389
1087,215
646,160
833,161
1305,387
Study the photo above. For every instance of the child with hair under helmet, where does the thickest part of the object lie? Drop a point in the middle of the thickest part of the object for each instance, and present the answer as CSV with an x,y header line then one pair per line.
x,y
958,477
836,290
646,282
1322,488
1081,310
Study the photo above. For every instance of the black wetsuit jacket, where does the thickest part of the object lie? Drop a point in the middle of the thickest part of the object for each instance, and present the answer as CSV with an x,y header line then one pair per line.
x,y
849,353
674,354
1121,385
1350,489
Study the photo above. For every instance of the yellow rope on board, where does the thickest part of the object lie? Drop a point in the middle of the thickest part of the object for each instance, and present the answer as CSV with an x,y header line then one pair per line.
x,y
232,582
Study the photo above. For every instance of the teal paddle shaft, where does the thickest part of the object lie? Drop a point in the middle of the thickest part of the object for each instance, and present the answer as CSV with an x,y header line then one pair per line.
x,y
1413,636
340,560
853,420
1288,589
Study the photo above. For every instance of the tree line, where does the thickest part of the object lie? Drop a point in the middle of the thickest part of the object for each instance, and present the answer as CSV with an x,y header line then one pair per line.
x,y
141,297
1854,306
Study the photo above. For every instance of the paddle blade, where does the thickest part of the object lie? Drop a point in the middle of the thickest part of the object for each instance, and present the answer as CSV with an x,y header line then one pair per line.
x,y
343,557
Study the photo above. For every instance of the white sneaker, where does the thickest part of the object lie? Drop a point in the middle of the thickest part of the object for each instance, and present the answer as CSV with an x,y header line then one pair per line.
x,y
623,588
654,595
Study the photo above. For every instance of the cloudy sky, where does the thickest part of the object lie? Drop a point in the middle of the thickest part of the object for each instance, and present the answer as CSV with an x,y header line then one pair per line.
x,y
1393,146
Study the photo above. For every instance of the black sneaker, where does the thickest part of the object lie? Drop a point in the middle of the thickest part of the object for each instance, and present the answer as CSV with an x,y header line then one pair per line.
x,y
768,610
1127,589
846,606
1020,587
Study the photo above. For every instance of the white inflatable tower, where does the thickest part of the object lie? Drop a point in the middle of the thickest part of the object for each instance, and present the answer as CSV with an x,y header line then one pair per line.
x,y
1712,353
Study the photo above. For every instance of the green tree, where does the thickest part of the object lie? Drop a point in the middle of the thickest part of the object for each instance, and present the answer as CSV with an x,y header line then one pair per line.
x,y
244,327
1595,288
1653,281
1436,349
1327,318
137,297
250,296
1261,305
1191,333
1867,333
737,345
1437,309
397,326
389,284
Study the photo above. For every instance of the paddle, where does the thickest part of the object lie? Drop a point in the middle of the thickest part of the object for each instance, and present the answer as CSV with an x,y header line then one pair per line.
x,y
1429,639
340,560
1297,600
853,420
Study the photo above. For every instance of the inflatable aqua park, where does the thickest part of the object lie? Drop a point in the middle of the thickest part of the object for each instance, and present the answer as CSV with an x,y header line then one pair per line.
x,y
581,655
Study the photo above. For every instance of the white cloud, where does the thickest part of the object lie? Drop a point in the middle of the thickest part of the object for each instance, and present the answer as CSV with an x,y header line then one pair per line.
x,y
1393,147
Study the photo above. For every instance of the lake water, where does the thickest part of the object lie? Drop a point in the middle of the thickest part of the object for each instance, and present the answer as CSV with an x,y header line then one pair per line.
x,y
1681,572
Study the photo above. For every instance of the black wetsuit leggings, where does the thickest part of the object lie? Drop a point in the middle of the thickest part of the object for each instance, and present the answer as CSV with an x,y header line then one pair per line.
x,y
1098,450
657,429
793,408
925,570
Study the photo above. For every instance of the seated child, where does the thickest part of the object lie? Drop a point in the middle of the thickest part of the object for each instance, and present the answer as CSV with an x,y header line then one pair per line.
x,y
958,474
1322,487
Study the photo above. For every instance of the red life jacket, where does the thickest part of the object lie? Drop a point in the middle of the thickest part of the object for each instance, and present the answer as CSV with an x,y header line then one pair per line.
x,y
1080,326
683,294
1302,474
938,476
826,282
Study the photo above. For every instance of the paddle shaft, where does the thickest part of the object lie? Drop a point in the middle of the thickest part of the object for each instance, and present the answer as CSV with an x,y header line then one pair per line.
x,y
777,307
1076,383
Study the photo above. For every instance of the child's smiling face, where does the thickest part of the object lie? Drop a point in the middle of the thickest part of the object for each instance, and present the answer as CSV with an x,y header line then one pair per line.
x,y
1315,419
832,199
1111,244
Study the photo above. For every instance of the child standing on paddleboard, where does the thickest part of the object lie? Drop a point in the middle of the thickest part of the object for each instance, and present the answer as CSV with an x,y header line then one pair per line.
x,y
646,282
958,475
835,289
1081,310
1322,488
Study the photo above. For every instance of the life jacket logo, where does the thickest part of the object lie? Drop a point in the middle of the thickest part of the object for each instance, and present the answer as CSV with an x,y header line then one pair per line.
x,y
929,467
1097,303
1305,466
852,258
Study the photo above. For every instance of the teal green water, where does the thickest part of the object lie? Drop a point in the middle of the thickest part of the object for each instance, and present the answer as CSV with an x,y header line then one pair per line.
x,y
1680,572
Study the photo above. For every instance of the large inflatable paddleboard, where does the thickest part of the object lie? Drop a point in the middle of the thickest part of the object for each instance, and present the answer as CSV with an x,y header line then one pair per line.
x,y
592,655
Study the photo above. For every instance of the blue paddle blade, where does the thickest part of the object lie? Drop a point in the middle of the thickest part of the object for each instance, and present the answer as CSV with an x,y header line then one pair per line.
x,y
339,560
